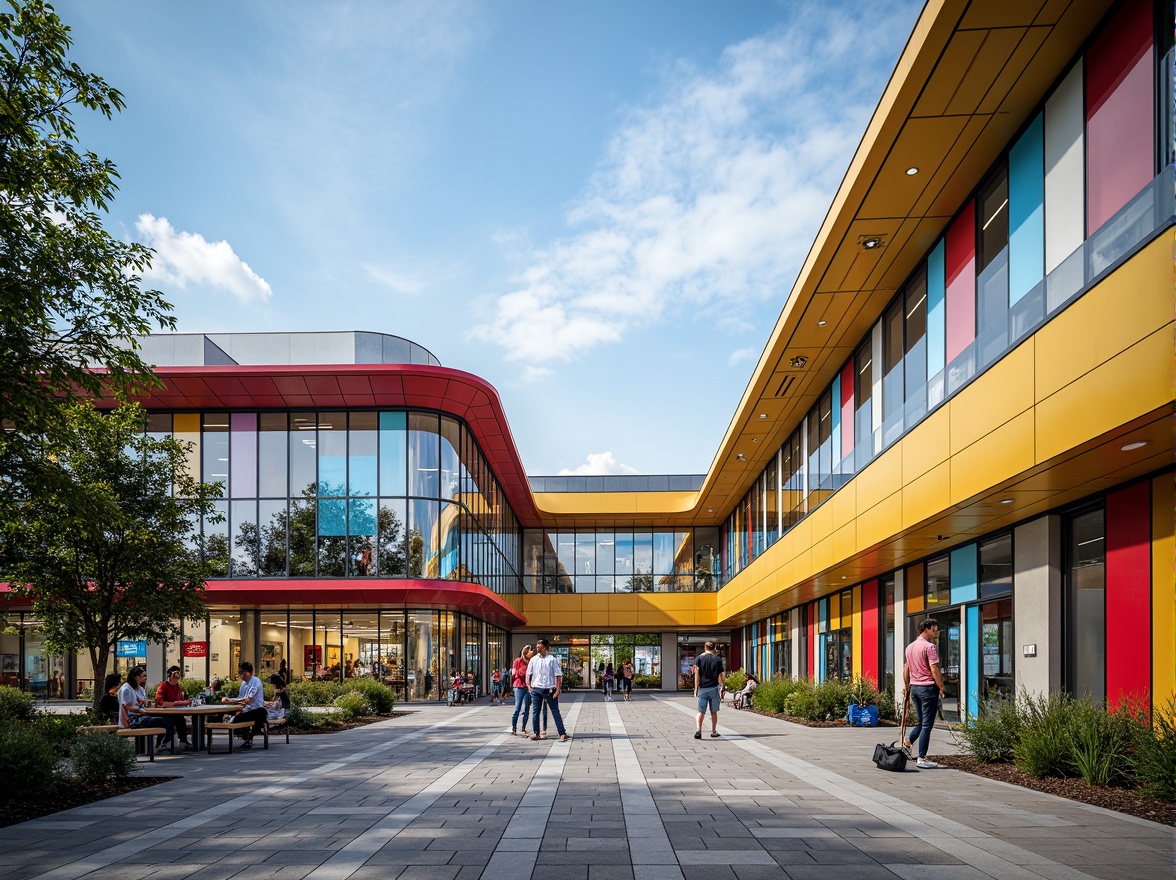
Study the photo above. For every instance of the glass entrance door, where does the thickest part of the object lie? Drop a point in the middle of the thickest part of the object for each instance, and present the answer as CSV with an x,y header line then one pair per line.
x,y
948,646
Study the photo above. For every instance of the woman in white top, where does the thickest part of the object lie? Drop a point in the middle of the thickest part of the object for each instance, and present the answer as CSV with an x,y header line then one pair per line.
x,y
133,708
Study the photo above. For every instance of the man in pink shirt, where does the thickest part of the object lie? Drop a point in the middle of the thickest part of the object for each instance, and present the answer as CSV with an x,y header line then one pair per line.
x,y
924,682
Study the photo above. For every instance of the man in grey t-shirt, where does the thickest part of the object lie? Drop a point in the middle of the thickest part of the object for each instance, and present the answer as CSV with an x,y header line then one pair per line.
x,y
708,687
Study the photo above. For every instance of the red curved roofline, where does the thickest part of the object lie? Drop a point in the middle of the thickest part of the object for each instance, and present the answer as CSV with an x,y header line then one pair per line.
x,y
306,593
450,391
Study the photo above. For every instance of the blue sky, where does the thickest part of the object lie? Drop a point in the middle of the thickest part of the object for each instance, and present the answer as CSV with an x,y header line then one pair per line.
x,y
598,207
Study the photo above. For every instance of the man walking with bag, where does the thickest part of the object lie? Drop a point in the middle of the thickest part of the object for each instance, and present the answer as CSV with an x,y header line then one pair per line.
x,y
924,682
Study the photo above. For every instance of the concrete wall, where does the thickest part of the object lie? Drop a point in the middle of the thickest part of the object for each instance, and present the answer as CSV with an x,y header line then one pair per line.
x,y
1037,604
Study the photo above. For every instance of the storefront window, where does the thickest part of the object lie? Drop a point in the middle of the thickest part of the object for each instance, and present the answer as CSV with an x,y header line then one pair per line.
x,y
996,650
1086,600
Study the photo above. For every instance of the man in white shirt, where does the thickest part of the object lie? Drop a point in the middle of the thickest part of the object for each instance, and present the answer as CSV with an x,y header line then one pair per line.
x,y
544,681
252,701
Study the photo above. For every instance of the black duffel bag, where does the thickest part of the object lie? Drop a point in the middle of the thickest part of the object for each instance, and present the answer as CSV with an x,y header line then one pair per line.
x,y
890,757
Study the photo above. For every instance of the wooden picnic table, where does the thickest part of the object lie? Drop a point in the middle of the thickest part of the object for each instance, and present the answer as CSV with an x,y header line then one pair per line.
x,y
199,714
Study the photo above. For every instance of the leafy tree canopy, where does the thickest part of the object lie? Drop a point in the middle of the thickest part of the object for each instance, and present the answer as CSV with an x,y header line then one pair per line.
x,y
70,295
104,544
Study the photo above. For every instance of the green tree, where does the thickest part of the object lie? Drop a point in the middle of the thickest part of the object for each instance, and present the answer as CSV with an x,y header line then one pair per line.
x,y
70,295
103,543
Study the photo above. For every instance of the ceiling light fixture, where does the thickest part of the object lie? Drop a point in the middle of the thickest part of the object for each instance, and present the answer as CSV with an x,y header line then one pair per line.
x,y
1131,447
753,440
763,415
912,171
1006,501
798,362
710,510
822,323
739,456
872,242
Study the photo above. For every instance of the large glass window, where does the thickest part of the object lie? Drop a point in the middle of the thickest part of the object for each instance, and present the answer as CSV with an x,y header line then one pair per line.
x,y
996,566
1086,600
272,455
361,454
332,454
938,582
424,455
993,204
915,358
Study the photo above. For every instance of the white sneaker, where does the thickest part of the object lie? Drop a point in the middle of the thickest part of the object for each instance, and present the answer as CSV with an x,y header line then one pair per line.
x,y
924,764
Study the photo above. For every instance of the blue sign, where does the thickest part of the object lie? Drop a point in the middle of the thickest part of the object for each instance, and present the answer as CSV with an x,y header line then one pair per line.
x,y
131,649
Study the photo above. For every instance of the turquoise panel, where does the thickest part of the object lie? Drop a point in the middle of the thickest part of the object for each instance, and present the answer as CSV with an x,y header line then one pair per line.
x,y
936,310
1027,211
964,575
823,615
836,429
821,658
974,660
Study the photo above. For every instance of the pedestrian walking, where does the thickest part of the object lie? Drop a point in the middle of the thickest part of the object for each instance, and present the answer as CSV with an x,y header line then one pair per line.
x,y
610,680
545,681
627,674
924,682
522,694
709,679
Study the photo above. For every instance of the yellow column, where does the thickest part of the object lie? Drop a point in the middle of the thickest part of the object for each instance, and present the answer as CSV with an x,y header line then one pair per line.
x,y
1163,592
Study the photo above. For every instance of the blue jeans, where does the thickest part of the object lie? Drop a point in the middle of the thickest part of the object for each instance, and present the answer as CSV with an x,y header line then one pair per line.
x,y
522,704
926,700
543,697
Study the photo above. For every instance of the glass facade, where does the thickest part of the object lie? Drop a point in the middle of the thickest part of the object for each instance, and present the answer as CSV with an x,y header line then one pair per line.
x,y
584,657
387,494
1007,262
620,561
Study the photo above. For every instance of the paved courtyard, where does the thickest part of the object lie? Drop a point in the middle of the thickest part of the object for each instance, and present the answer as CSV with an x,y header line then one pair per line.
x,y
447,793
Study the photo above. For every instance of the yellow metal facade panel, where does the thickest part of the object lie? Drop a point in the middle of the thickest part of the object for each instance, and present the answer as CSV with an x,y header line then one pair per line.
x,y
881,479
1134,302
928,445
1163,591
879,522
1006,391
1131,385
611,504
928,495
999,455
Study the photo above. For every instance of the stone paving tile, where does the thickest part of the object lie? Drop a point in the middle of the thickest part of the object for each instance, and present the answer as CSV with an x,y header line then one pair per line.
x,y
769,800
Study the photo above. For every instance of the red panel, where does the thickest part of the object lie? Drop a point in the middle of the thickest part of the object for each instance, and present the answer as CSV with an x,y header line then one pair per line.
x,y
1128,575
960,252
1119,113
847,409
735,650
870,649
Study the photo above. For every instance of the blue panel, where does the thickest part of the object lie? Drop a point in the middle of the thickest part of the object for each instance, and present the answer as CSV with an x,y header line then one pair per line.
x,y
1027,211
821,658
936,310
963,575
973,660
823,615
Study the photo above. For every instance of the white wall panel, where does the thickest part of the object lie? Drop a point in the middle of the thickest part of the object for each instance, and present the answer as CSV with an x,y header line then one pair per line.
x,y
1065,170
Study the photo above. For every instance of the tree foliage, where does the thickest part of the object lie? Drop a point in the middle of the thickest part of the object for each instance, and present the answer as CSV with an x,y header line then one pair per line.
x,y
104,542
70,294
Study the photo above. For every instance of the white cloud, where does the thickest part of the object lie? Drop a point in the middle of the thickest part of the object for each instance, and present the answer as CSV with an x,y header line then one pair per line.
x,y
708,198
598,463
742,354
183,258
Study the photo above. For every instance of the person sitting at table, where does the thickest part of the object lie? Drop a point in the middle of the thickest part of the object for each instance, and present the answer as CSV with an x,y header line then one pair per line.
x,y
276,708
133,709
169,694
252,703
108,704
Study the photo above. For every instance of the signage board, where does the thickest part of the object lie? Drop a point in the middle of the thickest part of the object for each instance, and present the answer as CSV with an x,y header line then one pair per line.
x,y
195,649
131,648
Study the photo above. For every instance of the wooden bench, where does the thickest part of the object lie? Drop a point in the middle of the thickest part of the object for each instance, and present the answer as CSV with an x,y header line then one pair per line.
x,y
149,732
98,728
274,722
230,727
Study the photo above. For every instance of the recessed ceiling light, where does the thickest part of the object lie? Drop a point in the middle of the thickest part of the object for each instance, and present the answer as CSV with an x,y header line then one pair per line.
x,y
753,440
710,510
739,456
1131,447
912,171
763,415
822,323
798,362
872,242
843,577
1006,501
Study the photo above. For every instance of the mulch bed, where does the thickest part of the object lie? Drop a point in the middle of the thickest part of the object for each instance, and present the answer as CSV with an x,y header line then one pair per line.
x,y
1121,800
336,726
839,722
70,793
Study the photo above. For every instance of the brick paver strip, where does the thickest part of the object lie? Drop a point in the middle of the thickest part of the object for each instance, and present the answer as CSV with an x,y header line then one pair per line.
x,y
517,849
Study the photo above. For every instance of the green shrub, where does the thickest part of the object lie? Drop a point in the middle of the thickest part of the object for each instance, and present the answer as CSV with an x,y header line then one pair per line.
x,y
802,703
735,680
992,736
1046,744
192,686
861,691
1103,743
833,698
886,708
378,694
353,704
1154,762
771,696
29,762
647,682
572,679
16,705
314,693
99,757
60,730
297,716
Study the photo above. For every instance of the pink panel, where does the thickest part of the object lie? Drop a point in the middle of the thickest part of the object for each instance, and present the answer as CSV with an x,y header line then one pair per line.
x,y
961,281
1119,113
847,409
